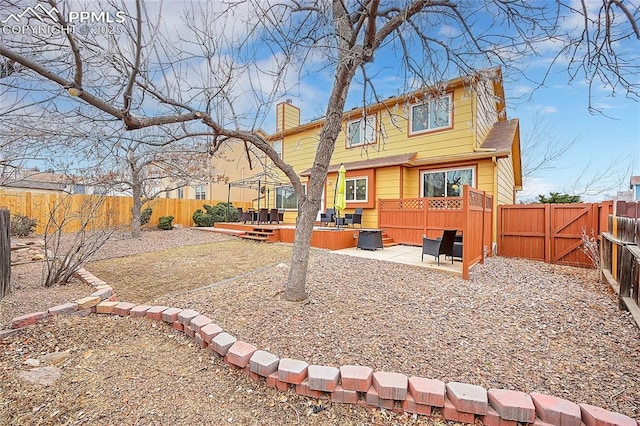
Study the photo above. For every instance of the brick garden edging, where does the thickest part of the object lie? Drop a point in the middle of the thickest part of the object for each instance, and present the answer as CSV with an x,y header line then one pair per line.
x,y
349,384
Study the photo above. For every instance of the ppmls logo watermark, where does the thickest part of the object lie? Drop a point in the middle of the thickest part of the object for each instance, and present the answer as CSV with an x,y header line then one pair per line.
x,y
47,20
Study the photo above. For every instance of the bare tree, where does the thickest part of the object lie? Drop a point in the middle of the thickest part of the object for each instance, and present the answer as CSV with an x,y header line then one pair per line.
x,y
217,81
146,166
66,252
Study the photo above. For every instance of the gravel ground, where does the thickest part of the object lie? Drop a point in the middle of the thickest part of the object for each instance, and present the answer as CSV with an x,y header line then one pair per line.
x,y
516,324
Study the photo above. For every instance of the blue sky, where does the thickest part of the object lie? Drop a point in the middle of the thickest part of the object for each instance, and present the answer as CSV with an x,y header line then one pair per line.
x,y
606,144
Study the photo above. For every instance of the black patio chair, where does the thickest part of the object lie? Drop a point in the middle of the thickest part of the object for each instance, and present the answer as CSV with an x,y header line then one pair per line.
x,y
328,217
353,218
239,219
246,216
439,246
273,216
263,216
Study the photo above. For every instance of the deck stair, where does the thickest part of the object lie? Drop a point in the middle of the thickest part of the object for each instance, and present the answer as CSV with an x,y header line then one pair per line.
x,y
268,235
387,241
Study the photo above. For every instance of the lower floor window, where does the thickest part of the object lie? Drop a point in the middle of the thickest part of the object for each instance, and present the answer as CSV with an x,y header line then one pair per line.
x,y
286,197
446,183
356,189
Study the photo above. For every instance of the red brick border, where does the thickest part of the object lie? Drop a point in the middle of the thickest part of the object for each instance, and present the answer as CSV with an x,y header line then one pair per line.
x,y
358,385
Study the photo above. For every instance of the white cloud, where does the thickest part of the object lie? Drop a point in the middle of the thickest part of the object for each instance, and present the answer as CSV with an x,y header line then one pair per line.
x,y
548,109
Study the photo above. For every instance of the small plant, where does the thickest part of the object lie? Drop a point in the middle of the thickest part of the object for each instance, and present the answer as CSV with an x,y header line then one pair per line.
x,y
590,248
217,213
22,226
145,215
165,223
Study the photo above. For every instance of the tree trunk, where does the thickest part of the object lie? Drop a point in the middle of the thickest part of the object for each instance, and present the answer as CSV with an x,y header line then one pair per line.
x,y
295,289
136,226
5,250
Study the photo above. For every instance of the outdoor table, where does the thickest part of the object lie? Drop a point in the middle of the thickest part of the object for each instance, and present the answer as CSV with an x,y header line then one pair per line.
x,y
370,239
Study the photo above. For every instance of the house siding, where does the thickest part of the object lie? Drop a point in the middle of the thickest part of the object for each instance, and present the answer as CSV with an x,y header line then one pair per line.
x,y
486,114
505,181
474,112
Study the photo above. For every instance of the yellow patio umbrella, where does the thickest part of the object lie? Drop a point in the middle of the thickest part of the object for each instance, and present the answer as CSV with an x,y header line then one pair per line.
x,y
340,196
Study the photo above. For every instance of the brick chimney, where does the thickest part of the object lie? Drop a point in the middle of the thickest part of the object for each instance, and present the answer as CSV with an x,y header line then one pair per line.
x,y
287,116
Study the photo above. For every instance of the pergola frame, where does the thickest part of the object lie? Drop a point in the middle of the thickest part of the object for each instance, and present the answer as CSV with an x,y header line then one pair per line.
x,y
263,182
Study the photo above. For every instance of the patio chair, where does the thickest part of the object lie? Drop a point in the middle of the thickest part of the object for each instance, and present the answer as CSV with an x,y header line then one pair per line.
x,y
273,216
353,218
246,216
328,217
239,219
439,246
263,216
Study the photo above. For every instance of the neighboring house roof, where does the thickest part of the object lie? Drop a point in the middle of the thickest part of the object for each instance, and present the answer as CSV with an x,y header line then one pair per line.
x,y
635,180
34,184
392,160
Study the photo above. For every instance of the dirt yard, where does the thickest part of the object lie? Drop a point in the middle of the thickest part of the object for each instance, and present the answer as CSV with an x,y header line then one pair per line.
x,y
516,324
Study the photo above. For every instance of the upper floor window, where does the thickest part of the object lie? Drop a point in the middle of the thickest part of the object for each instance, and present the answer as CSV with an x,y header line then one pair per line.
x,y
431,115
201,192
446,183
361,132
357,189
277,146
180,193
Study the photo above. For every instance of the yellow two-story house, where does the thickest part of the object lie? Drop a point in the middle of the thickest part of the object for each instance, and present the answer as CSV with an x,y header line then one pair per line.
x,y
424,144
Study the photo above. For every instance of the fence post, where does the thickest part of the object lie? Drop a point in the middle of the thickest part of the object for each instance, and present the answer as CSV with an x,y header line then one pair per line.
x,y
614,248
466,248
5,252
547,233
626,260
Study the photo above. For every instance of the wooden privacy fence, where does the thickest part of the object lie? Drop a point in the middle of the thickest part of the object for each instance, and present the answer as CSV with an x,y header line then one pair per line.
x,y
105,211
620,262
550,232
406,220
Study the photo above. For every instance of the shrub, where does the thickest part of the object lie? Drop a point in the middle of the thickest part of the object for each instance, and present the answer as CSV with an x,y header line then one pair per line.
x,y
22,226
165,223
217,213
145,215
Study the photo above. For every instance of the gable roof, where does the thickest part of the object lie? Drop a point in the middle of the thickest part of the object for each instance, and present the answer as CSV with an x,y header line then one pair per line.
x,y
635,180
493,74
504,138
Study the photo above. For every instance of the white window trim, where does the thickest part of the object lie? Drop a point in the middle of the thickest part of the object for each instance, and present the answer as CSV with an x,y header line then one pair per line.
x,y
204,187
424,172
366,198
430,129
363,133
281,142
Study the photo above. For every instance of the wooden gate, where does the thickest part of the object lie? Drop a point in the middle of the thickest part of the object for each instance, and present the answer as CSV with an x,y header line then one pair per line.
x,y
550,232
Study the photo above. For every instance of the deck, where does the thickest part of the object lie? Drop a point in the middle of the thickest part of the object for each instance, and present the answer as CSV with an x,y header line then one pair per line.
x,y
330,238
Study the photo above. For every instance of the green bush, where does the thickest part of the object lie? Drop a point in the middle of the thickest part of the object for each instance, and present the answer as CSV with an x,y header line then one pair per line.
x,y
145,215
217,213
22,226
165,223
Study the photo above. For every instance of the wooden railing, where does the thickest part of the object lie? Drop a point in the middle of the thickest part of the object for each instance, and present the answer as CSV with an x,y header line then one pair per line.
x,y
406,220
620,262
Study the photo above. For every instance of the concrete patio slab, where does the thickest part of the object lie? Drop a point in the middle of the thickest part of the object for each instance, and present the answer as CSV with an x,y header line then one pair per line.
x,y
407,255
